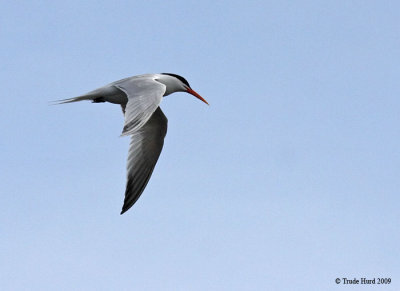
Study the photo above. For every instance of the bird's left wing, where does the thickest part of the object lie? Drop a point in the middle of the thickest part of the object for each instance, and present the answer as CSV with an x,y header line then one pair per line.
x,y
144,95
145,148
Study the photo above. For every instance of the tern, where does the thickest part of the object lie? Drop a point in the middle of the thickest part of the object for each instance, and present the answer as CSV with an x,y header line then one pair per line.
x,y
140,97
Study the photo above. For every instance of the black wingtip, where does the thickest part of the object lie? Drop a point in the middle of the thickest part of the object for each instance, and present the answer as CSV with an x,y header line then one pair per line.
x,y
125,208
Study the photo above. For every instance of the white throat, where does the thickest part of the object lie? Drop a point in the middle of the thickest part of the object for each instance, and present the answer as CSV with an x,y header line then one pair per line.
x,y
172,84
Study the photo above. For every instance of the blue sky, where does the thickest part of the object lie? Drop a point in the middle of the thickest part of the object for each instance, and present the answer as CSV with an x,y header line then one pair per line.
x,y
287,181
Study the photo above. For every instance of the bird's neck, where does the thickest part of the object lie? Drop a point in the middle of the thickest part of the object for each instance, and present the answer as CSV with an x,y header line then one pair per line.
x,y
171,83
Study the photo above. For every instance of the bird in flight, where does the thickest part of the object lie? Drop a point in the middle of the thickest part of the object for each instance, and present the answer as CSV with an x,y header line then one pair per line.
x,y
140,97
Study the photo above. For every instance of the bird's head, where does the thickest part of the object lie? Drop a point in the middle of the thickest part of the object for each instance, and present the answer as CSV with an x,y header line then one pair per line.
x,y
176,83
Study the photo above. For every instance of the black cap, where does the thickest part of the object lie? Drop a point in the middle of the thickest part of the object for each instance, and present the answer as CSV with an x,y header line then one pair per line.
x,y
182,79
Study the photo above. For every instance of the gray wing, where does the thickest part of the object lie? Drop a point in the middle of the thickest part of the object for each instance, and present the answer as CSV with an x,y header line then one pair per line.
x,y
119,92
144,96
145,148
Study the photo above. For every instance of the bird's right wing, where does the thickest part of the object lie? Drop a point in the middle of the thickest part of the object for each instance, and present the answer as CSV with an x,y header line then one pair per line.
x,y
144,96
145,148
